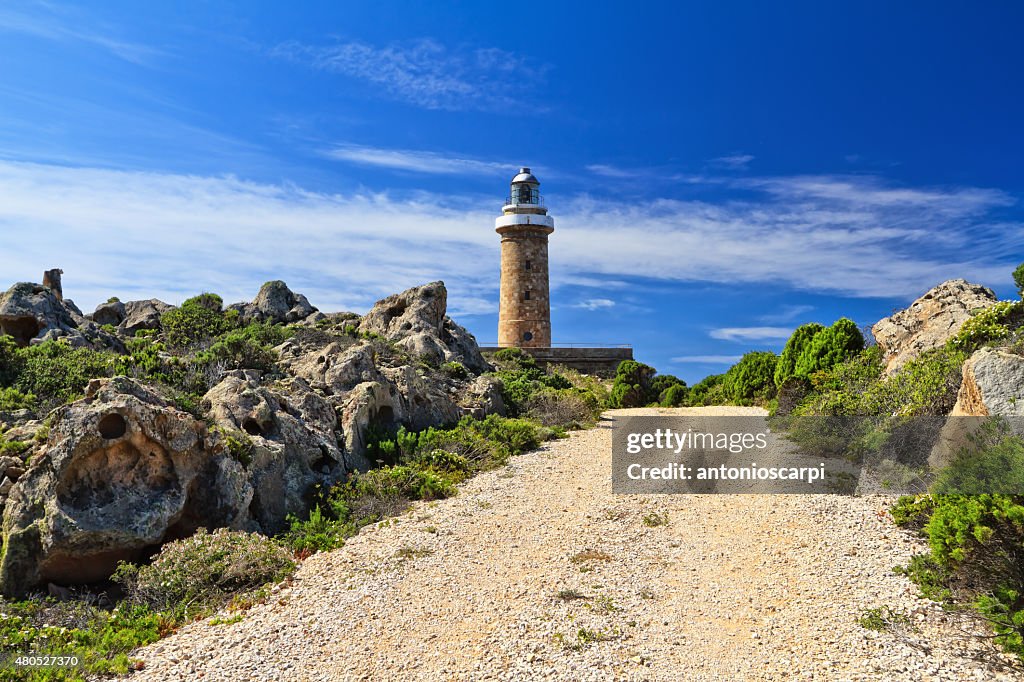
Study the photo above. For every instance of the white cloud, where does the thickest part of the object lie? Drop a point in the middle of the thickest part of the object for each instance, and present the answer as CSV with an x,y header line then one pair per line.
x,y
750,333
733,161
424,72
65,25
135,234
595,304
418,161
613,171
707,359
787,313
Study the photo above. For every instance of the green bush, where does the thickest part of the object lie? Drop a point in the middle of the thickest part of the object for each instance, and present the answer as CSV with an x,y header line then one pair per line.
x,y
55,373
752,378
197,319
568,409
320,531
201,573
674,396
13,399
994,323
632,385
454,370
708,391
250,347
927,385
1018,279
991,462
102,640
10,364
798,341
829,347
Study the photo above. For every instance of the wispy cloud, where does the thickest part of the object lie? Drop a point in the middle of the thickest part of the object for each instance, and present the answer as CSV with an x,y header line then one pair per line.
x,y
418,161
424,72
733,161
707,359
788,313
595,304
57,24
608,171
135,234
750,333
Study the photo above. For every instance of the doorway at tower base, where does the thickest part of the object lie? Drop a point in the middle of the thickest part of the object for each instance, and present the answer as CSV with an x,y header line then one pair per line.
x,y
601,361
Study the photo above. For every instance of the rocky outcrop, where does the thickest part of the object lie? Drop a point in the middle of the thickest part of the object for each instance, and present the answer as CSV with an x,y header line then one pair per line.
x,y
113,312
122,472
992,385
140,315
275,303
929,321
416,320
295,442
29,312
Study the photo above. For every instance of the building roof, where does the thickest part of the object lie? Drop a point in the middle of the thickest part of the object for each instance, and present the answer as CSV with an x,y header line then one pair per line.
x,y
525,176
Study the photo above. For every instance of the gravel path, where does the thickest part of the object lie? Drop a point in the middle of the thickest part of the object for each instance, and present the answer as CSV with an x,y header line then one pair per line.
x,y
536,571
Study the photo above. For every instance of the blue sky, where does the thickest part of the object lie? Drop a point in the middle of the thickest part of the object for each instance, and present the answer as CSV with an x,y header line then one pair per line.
x,y
719,172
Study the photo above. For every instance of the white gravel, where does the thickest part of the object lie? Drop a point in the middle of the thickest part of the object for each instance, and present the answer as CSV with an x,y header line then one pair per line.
x,y
733,587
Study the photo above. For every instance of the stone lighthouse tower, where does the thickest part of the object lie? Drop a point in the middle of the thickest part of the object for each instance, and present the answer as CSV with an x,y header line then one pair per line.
x,y
524,319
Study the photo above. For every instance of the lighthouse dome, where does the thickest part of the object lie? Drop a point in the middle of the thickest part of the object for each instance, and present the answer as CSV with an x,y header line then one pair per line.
x,y
525,175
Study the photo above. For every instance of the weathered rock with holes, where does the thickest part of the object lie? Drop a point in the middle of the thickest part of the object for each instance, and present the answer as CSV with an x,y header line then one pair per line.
x,y
275,303
929,321
142,315
295,442
28,312
416,320
122,472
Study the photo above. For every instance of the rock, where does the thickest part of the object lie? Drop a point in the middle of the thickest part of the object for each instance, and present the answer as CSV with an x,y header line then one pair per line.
x,y
992,384
29,312
275,303
416,320
929,321
124,471
295,442
111,312
51,280
483,397
139,315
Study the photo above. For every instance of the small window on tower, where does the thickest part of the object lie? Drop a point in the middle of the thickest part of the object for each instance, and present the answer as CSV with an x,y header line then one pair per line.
x,y
527,294
527,336
529,266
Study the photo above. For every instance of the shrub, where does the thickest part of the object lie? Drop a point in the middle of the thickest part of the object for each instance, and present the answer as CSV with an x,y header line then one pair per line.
x,y
56,373
753,377
992,462
632,385
250,347
990,324
674,396
197,319
10,363
927,385
102,640
1018,279
201,573
708,391
798,341
568,409
829,347
454,370
319,532
13,399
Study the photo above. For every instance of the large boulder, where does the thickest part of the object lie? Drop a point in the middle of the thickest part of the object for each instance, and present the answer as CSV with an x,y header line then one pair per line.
x,y
992,385
295,441
416,320
112,312
142,315
28,312
275,303
929,321
123,472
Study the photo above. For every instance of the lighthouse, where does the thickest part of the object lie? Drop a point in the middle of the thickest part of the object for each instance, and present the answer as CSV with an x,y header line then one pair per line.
x,y
524,318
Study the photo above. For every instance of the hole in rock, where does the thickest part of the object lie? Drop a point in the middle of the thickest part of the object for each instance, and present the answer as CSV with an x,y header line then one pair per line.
x,y
112,426
252,427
